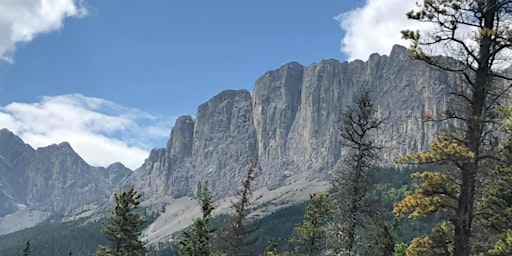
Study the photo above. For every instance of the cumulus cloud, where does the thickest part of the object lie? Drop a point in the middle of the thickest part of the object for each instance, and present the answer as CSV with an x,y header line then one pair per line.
x,y
22,20
100,131
375,27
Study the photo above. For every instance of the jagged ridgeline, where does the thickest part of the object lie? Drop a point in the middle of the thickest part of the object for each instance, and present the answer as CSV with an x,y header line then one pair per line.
x,y
38,184
289,122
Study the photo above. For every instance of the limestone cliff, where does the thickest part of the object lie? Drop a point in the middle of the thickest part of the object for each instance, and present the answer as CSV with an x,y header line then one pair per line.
x,y
49,180
290,123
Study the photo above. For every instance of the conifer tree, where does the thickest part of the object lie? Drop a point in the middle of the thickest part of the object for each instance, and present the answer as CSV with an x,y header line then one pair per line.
x,y
310,235
475,35
124,227
494,209
382,241
197,240
239,229
26,249
271,249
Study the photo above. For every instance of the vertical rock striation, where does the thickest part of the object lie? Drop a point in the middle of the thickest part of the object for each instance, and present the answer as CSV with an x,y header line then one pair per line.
x,y
290,123
53,179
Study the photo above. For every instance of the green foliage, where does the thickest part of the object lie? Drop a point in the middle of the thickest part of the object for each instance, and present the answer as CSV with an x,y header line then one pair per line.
x,y
382,241
55,238
310,234
503,247
240,230
400,249
271,248
278,226
494,208
124,227
82,238
474,36
197,240
26,249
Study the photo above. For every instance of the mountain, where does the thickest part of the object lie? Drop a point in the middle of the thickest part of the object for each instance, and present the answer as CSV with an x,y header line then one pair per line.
x,y
289,122
35,184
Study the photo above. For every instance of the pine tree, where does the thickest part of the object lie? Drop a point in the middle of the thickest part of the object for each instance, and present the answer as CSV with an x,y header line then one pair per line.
x,y
124,227
494,209
310,235
354,182
475,35
26,249
197,240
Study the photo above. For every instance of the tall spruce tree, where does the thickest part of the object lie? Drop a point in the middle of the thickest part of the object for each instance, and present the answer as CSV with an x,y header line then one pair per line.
x,y
124,227
197,240
475,35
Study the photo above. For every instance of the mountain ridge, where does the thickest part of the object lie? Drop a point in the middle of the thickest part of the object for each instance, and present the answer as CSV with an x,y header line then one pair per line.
x,y
289,122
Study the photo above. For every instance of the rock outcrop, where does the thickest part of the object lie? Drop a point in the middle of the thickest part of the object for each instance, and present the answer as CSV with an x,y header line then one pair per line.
x,y
290,123
53,179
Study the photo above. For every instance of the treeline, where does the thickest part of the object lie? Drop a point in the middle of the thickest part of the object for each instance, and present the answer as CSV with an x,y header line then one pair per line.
x,y
464,187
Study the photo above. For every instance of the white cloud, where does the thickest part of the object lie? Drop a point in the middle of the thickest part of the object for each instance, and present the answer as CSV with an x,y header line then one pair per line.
x,y
100,131
375,27
22,20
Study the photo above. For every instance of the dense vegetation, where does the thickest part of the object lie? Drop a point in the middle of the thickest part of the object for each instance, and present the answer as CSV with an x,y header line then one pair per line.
x,y
55,238
83,237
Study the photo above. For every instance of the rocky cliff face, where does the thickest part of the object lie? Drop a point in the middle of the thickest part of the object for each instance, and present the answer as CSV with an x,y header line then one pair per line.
x,y
290,123
51,179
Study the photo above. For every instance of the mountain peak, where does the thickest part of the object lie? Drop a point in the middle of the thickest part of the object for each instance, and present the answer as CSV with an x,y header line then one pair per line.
x,y
399,51
10,142
292,64
6,133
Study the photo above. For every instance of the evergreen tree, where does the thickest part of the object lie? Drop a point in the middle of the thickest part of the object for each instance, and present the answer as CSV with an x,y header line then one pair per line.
x,y
310,235
271,249
382,242
26,249
494,209
124,227
475,34
197,240
240,229
356,179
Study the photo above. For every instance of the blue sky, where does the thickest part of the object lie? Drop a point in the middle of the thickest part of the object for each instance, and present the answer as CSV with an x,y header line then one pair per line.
x,y
140,64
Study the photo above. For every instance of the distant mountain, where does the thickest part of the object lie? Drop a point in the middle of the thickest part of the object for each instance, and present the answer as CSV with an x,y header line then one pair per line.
x,y
289,122
51,180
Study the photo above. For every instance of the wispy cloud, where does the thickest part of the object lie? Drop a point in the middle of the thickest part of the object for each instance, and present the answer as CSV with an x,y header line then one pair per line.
x,y
100,131
375,27
22,20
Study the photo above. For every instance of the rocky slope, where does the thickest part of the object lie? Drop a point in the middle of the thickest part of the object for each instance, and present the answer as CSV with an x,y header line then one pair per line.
x,y
34,184
289,123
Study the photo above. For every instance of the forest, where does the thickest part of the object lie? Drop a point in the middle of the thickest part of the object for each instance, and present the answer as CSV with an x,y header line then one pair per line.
x,y
454,199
